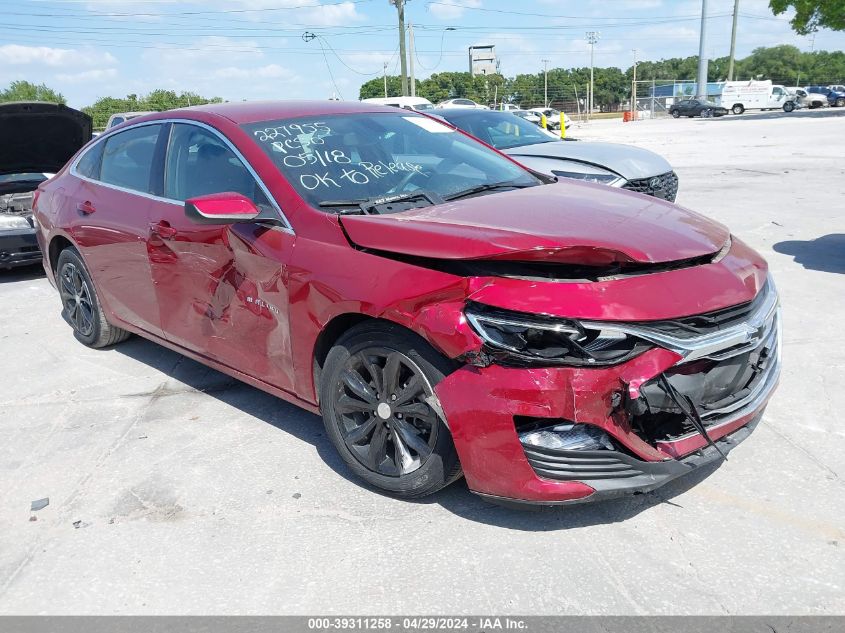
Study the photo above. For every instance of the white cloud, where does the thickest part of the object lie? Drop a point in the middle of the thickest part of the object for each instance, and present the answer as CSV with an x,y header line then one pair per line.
x,y
270,71
98,74
332,15
451,9
19,55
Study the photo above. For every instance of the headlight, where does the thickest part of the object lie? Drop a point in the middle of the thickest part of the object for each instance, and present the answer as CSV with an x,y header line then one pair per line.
x,y
602,179
525,338
13,222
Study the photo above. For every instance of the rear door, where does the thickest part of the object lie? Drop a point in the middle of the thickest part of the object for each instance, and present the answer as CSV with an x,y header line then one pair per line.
x,y
222,289
112,204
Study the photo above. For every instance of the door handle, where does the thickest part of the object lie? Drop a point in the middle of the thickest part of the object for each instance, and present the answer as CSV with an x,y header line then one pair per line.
x,y
163,230
86,207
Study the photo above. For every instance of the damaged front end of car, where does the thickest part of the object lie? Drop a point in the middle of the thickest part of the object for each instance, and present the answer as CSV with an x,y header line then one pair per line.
x,y
585,409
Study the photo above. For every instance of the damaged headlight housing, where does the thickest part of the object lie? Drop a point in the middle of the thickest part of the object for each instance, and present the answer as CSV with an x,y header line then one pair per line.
x,y
536,339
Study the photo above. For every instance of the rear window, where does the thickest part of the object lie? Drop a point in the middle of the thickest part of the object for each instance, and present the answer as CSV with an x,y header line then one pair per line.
x,y
128,157
89,164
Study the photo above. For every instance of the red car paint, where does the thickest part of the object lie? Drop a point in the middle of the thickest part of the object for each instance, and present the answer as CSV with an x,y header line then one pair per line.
x,y
254,301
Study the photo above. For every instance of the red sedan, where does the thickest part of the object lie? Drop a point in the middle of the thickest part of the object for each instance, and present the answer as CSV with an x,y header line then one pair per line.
x,y
447,311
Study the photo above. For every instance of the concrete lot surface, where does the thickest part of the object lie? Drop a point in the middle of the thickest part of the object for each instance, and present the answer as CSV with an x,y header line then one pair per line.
x,y
174,489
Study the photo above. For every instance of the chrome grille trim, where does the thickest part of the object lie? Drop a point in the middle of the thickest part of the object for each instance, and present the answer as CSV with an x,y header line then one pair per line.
x,y
719,345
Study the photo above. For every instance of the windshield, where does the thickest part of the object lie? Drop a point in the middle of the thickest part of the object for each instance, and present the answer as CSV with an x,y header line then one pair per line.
x,y
502,130
364,156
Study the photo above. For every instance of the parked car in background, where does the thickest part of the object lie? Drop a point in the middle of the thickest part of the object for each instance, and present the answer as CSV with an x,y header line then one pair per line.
x,y
446,311
624,166
696,107
36,140
122,117
552,117
834,97
409,103
529,116
461,103
805,99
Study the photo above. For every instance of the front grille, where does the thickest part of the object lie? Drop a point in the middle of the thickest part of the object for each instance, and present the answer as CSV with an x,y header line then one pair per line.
x,y
709,322
724,386
663,186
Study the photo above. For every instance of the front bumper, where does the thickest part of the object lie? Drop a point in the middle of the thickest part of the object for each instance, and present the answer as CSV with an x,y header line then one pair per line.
x,y
18,247
739,351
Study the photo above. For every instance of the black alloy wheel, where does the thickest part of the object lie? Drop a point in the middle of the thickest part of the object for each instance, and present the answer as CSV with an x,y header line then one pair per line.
x,y
80,305
381,412
76,299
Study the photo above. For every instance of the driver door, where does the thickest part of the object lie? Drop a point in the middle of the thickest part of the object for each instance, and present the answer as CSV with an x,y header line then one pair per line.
x,y
222,289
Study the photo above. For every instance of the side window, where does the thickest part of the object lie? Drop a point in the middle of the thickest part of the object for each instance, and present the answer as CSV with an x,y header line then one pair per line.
x,y
199,163
117,121
89,164
128,156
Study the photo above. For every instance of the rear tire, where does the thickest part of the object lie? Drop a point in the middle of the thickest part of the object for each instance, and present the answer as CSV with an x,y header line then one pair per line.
x,y
80,305
738,108
380,411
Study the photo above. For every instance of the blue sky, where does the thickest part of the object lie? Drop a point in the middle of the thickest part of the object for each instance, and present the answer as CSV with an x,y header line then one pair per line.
x,y
253,49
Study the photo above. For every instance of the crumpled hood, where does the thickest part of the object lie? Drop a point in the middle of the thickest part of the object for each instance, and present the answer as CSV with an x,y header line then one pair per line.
x,y
568,222
40,137
632,163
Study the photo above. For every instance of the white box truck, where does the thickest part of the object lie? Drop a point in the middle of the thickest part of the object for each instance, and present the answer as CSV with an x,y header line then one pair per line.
x,y
739,96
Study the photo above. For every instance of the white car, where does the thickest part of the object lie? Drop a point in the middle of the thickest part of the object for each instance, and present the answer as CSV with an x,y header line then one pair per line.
x,y
808,99
552,117
408,103
461,103
121,117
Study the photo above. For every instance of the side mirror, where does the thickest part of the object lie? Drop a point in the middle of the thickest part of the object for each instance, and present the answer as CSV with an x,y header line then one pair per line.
x,y
221,208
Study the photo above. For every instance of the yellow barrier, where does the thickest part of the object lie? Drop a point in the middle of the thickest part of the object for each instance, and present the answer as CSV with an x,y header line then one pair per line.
x,y
543,123
562,125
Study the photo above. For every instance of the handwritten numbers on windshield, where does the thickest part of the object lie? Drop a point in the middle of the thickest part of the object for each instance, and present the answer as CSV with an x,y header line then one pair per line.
x,y
302,145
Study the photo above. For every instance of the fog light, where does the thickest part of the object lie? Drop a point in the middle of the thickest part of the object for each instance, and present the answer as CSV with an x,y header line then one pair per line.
x,y
569,437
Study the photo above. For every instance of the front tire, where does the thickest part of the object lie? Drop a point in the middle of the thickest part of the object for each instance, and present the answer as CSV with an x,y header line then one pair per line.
x,y
788,106
675,114
840,102
380,411
80,305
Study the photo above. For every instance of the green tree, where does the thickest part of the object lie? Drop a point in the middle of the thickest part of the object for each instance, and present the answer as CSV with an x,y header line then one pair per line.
x,y
157,100
375,87
810,15
26,91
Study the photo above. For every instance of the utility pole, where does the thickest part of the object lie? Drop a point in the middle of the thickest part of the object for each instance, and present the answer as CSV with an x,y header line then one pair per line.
x,y
634,84
545,82
403,58
733,43
701,88
411,58
385,80
592,38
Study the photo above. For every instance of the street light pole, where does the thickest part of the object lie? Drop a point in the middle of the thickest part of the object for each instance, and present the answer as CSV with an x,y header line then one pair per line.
x,y
545,83
411,58
403,58
733,43
385,80
592,38
701,88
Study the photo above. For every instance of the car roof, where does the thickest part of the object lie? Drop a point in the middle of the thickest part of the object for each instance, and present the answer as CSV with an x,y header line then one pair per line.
x,y
464,112
252,111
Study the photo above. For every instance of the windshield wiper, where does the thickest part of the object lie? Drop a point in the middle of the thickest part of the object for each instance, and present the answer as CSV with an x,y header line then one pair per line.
x,y
382,204
508,184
